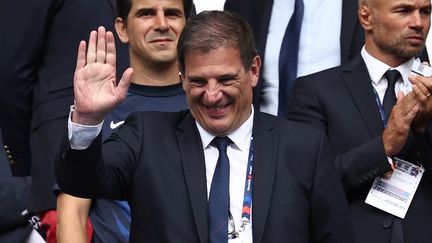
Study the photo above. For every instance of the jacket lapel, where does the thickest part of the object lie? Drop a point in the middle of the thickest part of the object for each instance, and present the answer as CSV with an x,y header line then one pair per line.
x,y
194,170
356,78
264,142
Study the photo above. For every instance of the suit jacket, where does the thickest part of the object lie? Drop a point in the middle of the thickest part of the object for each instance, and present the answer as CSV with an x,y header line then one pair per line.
x,y
296,194
15,198
341,102
36,72
258,14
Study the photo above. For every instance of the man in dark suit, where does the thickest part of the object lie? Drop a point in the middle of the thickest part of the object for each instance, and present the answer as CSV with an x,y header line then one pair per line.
x,y
348,103
181,183
348,34
36,71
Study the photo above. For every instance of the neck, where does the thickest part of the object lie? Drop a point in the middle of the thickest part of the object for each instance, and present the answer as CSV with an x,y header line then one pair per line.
x,y
156,74
387,58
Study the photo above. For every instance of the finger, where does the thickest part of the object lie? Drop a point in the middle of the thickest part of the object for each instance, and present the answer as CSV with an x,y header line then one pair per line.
x,y
81,56
91,50
388,174
417,79
124,83
111,50
101,47
421,93
400,96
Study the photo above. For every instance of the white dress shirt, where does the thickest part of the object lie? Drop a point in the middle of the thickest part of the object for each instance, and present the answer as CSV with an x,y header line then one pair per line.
x,y
81,136
377,69
319,46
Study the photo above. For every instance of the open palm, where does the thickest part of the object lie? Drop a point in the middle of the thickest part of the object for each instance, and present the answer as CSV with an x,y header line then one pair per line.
x,y
95,86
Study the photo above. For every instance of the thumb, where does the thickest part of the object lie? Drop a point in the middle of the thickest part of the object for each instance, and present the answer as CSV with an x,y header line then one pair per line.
x,y
124,83
400,96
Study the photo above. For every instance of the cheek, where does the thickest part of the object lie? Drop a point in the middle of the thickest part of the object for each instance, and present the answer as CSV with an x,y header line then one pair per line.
x,y
194,93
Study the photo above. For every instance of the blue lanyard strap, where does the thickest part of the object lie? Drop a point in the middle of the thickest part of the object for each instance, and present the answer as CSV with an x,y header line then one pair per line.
x,y
247,199
380,109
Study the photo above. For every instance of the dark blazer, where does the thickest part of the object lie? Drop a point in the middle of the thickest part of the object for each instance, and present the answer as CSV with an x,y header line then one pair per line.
x,y
38,57
156,162
341,102
258,14
15,199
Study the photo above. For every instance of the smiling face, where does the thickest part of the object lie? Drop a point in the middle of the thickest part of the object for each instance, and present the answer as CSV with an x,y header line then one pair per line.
x,y
395,30
219,88
152,30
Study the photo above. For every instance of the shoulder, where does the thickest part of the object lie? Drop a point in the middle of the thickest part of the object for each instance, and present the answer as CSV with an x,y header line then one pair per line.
x,y
318,77
287,129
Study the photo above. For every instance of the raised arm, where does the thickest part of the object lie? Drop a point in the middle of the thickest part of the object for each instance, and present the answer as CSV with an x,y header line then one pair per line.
x,y
95,86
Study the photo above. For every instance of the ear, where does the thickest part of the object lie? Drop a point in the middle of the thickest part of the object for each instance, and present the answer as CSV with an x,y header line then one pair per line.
x,y
365,16
255,70
121,29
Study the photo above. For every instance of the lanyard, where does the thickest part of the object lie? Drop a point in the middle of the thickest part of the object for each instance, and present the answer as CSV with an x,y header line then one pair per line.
x,y
380,109
247,198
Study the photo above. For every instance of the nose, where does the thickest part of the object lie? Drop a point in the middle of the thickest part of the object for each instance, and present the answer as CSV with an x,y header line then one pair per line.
x,y
213,93
417,20
161,22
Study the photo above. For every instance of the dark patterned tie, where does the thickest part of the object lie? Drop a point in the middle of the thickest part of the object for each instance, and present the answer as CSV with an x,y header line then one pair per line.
x,y
288,58
389,100
218,205
392,76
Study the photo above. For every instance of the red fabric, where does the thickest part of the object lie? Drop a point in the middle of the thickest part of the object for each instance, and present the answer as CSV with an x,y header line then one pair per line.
x,y
49,225
89,230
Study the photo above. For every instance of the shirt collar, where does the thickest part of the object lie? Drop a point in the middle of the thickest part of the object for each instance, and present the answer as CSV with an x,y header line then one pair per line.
x,y
377,68
240,137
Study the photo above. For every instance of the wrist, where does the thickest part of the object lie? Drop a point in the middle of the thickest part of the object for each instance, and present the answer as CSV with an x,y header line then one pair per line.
x,y
85,119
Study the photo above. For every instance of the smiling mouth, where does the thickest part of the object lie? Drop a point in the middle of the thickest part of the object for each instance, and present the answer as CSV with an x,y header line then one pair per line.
x,y
160,40
217,108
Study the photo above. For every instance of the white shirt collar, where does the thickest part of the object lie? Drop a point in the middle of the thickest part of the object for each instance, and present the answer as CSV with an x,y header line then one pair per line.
x,y
377,68
240,137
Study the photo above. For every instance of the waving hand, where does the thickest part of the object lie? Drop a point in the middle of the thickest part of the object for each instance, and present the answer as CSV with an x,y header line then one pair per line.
x,y
95,86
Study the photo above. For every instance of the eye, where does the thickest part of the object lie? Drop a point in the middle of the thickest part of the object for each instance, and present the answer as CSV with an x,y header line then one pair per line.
x,y
227,80
145,12
425,11
198,82
402,10
174,13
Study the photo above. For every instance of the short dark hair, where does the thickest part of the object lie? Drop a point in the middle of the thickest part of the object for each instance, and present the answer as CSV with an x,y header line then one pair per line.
x,y
123,8
213,29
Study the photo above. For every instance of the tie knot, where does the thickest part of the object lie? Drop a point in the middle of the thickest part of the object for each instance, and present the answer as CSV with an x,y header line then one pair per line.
x,y
392,77
221,143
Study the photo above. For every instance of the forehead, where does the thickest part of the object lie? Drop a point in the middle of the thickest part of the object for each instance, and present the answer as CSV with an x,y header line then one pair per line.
x,y
138,4
417,3
215,61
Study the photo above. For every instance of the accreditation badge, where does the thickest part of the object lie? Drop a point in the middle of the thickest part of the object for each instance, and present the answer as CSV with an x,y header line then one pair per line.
x,y
394,195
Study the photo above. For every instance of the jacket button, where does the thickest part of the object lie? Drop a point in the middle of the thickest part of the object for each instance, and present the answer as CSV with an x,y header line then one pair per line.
x,y
387,222
12,162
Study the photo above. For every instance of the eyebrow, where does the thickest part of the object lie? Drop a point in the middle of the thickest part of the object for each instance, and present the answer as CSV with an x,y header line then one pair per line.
x,y
154,9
